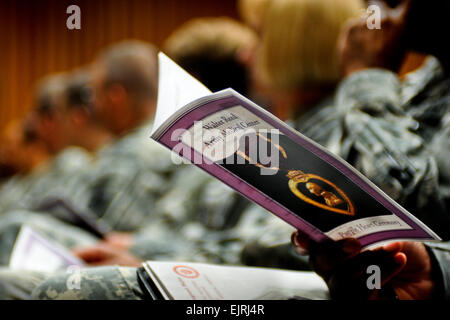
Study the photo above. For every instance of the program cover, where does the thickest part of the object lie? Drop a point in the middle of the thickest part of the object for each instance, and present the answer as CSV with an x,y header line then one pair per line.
x,y
270,163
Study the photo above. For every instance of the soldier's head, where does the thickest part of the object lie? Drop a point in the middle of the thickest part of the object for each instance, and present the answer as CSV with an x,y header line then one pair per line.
x,y
125,84
46,122
17,153
211,49
82,127
426,24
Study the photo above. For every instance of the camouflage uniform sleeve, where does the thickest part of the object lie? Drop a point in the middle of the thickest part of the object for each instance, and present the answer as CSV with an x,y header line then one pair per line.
x,y
382,141
19,284
100,283
440,254
128,178
187,217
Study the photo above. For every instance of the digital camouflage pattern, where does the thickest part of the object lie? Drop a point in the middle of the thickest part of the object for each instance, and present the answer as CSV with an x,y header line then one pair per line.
x,y
19,285
441,254
128,177
101,283
61,177
117,186
395,133
206,222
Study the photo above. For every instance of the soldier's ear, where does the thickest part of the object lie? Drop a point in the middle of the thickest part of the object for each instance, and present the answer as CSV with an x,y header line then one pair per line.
x,y
79,116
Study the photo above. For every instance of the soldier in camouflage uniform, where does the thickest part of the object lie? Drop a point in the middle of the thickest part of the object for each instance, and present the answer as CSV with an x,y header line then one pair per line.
x,y
394,133
120,183
61,177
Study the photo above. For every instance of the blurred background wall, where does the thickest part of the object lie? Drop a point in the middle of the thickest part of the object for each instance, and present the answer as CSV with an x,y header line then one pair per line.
x,y
34,39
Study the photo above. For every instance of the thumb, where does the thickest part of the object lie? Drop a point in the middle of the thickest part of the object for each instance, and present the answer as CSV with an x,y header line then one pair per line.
x,y
400,262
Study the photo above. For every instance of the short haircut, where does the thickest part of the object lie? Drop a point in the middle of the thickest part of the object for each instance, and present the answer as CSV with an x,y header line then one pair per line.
x,y
79,92
208,48
50,92
132,64
299,41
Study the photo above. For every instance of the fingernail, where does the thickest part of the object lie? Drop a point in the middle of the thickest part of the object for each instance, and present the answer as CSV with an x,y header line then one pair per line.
x,y
400,258
351,246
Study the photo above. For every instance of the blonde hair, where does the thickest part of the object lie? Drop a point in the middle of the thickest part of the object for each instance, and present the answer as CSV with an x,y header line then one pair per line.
x,y
299,39
252,12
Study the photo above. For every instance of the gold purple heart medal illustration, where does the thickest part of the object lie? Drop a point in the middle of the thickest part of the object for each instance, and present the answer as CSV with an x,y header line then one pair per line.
x,y
331,200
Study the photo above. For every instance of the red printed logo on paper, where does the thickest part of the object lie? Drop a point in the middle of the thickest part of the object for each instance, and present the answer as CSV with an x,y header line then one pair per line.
x,y
187,272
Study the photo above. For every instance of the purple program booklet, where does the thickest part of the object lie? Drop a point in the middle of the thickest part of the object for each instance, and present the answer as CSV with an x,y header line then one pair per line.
x,y
34,252
270,163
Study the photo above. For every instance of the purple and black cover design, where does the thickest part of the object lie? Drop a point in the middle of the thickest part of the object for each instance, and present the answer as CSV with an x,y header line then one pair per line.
x,y
294,178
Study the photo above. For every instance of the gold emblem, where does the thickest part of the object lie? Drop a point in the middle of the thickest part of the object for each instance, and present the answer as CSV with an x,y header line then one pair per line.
x,y
297,176
330,199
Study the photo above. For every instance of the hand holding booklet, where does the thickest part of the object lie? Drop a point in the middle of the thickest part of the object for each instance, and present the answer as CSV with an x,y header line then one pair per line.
x,y
270,163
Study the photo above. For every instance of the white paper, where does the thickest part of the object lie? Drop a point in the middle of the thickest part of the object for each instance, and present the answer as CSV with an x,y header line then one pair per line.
x,y
196,281
176,88
225,133
33,252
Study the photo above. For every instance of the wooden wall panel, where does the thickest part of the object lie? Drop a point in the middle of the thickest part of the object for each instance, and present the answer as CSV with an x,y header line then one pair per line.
x,y
34,40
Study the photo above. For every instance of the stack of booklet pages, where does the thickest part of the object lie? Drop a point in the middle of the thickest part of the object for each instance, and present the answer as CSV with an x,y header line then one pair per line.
x,y
197,281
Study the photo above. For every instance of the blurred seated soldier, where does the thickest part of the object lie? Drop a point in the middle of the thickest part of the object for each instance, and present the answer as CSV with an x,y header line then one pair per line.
x,y
212,49
63,114
286,60
62,118
383,126
125,176
42,129
47,121
394,131
124,79
83,129
20,151
128,175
